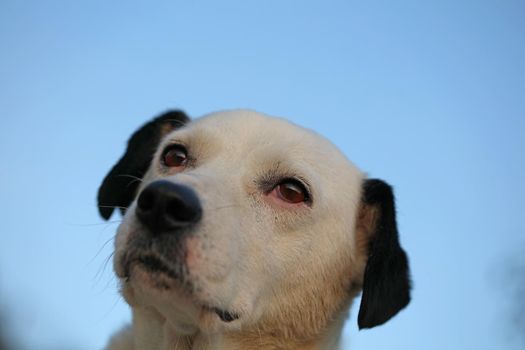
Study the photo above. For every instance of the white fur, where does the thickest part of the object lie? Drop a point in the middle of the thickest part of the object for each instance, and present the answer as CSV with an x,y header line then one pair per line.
x,y
266,262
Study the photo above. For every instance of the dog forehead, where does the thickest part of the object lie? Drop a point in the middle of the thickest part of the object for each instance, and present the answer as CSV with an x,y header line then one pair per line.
x,y
255,130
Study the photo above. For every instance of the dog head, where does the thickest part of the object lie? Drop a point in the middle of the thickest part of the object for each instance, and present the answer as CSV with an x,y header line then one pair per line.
x,y
239,220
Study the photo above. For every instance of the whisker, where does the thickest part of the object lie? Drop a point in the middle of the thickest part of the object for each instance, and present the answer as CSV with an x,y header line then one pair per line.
x,y
112,280
132,182
112,206
97,224
226,206
130,176
101,248
101,269
135,178
112,308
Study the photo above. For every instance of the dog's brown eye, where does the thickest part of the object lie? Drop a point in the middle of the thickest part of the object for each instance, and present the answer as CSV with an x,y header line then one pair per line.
x,y
292,191
175,156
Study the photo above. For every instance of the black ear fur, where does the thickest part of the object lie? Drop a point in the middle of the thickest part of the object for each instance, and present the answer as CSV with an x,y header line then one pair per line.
x,y
120,184
386,287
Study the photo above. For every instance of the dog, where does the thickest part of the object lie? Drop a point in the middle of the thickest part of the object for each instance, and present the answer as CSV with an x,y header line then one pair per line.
x,y
245,231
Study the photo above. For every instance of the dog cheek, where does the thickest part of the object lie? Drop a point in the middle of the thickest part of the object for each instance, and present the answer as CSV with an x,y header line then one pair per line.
x,y
209,261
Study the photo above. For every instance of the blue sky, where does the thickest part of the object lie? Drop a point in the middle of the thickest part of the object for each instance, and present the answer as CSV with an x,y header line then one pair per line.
x,y
427,95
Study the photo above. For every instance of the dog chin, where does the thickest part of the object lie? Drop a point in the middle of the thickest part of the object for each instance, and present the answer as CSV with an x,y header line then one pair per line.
x,y
158,292
149,284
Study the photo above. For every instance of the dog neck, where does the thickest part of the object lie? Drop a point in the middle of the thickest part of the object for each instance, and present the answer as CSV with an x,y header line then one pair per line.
x,y
151,331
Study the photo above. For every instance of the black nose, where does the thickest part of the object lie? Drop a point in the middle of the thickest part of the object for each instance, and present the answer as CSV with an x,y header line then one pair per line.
x,y
164,206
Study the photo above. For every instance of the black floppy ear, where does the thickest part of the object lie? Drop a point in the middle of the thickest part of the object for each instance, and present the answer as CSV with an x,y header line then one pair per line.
x,y
120,184
386,285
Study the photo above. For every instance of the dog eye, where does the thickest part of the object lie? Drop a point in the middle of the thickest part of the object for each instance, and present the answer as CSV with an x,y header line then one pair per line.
x,y
175,156
292,191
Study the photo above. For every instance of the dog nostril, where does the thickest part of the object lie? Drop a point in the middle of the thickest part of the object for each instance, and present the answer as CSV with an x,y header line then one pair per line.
x,y
146,200
181,212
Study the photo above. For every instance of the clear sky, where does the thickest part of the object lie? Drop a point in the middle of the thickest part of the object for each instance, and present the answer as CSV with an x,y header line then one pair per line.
x,y
427,95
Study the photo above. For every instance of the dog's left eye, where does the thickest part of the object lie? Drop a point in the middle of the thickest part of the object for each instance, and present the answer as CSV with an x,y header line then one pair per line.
x,y
175,156
292,191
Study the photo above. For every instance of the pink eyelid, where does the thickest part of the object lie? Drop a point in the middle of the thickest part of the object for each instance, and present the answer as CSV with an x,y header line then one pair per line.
x,y
275,198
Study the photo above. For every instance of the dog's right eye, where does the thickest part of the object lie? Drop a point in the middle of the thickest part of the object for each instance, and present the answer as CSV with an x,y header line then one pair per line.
x,y
175,156
290,191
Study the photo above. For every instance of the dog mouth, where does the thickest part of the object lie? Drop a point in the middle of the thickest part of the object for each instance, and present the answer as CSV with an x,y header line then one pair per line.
x,y
155,265
225,316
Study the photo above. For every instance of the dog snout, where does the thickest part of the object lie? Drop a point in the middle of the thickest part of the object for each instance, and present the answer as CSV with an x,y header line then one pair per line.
x,y
165,206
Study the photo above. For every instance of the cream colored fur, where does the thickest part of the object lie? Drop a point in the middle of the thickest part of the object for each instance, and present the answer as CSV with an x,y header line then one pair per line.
x,y
290,274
